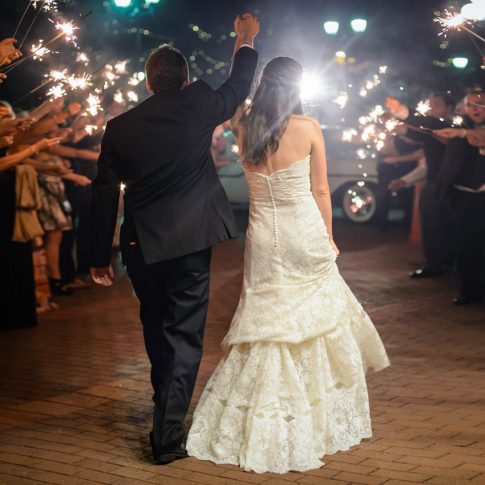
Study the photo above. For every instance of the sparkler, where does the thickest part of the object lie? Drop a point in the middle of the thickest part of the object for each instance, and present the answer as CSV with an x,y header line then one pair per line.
x,y
120,67
423,107
457,120
90,129
80,82
68,30
65,28
31,25
341,99
82,58
39,51
22,18
56,91
132,96
118,97
449,20
57,75
94,105
47,5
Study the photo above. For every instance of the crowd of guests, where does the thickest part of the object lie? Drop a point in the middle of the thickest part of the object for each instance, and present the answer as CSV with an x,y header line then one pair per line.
x,y
48,160
450,161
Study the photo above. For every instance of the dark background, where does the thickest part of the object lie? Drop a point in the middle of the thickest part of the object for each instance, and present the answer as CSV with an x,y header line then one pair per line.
x,y
400,34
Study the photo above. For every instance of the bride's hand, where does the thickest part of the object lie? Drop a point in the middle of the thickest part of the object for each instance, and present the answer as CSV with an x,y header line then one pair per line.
x,y
334,246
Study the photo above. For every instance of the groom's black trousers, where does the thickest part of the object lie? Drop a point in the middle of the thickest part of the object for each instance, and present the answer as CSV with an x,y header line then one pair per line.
x,y
173,298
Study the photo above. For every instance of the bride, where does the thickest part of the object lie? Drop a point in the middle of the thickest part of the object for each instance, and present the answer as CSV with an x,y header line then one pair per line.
x,y
291,386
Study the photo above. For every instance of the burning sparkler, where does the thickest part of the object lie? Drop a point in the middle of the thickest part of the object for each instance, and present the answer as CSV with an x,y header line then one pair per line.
x,y
67,29
94,105
47,5
82,58
341,99
57,75
132,96
450,20
423,107
118,97
39,51
56,91
80,82
457,121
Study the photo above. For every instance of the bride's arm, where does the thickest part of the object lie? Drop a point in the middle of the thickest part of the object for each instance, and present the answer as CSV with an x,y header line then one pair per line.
x,y
319,179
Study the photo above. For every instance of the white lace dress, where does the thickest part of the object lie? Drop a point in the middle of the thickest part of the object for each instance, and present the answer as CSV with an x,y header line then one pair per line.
x,y
291,386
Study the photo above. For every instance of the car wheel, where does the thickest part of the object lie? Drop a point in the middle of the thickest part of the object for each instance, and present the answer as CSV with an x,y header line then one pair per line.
x,y
359,202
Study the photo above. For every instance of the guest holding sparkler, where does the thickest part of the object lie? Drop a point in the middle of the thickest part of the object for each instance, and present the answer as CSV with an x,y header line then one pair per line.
x,y
436,225
462,182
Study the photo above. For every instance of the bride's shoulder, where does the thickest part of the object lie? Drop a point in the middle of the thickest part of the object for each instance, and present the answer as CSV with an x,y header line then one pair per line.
x,y
306,121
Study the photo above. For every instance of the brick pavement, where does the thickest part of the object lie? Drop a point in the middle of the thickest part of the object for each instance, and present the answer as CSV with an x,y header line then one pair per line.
x,y
75,392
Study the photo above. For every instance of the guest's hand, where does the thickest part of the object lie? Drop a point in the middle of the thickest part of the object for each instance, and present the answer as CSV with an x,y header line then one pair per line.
x,y
3,76
476,140
246,26
103,276
45,144
8,52
78,179
396,185
393,104
12,127
389,160
450,132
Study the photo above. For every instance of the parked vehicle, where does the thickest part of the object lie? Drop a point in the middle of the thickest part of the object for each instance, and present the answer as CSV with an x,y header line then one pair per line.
x,y
352,180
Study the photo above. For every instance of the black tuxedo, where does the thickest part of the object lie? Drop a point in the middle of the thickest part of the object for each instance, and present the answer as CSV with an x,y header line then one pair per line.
x,y
175,210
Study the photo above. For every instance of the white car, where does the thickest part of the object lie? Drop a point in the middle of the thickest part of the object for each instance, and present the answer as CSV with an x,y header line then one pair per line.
x,y
352,180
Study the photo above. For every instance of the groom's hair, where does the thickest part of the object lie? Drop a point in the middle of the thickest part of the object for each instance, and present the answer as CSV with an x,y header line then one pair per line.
x,y
166,68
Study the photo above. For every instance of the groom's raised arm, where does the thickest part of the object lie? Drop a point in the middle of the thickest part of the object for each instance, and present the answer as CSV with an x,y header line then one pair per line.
x,y
225,100
104,205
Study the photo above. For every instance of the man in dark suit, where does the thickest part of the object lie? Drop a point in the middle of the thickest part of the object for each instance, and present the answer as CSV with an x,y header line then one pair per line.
x,y
175,211
461,182
436,225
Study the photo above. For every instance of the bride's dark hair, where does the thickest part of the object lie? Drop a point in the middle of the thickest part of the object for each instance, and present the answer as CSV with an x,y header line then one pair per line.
x,y
277,97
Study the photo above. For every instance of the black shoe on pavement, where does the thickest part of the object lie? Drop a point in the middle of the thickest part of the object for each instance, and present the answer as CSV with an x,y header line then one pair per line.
x,y
165,458
426,272
466,300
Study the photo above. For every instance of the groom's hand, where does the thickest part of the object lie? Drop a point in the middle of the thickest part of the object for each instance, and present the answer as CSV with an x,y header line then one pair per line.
x,y
246,27
103,276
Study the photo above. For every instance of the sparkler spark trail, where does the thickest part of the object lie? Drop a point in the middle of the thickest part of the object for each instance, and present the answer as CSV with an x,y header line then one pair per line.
x,y
449,20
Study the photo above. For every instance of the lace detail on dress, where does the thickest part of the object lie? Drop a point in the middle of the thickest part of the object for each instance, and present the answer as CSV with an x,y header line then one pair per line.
x,y
291,386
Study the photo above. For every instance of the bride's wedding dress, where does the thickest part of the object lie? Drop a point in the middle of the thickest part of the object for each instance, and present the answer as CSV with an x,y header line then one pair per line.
x,y
291,387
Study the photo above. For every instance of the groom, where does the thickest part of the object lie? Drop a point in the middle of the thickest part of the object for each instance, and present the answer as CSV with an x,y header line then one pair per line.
x,y
175,211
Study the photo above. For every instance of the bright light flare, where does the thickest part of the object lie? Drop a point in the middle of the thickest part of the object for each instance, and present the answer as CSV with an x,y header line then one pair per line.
x,y
457,120
309,86
57,75
120,67
118,97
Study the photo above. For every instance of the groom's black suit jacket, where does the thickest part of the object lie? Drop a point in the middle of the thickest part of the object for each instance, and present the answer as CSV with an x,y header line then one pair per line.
x,y
174,202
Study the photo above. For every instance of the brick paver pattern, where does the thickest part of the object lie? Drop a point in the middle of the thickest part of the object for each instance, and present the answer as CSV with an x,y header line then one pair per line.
x,y
75,400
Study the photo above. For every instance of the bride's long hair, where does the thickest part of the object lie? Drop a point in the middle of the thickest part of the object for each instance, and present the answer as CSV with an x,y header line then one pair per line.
x,y
277,97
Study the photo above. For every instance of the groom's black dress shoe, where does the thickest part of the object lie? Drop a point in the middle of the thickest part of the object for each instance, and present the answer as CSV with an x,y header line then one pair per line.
x,y
166,457
426,272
